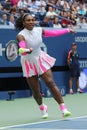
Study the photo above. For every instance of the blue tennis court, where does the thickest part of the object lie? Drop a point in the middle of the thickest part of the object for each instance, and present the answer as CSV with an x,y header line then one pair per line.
x,y
70,123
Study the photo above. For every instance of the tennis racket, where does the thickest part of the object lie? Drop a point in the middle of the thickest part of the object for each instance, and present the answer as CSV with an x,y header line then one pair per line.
x,y
12,51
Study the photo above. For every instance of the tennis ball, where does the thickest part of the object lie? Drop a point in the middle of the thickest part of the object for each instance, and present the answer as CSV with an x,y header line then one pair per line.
x,y
21,50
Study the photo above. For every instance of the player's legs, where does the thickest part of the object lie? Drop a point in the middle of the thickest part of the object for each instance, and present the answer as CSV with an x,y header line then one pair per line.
x,y
41,91
48,78
35,87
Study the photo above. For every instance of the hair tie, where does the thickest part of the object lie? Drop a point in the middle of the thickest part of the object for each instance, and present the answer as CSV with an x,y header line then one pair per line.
x,y
25,14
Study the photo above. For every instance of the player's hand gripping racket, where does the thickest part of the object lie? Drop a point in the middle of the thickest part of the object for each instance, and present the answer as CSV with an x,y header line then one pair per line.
x,y
22,50
12,51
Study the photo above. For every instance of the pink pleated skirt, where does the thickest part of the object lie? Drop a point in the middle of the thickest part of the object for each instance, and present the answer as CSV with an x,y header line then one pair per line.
x,y
36,63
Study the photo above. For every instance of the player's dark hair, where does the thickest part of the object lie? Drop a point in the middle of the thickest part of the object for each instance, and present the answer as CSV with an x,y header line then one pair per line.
x,y
19,22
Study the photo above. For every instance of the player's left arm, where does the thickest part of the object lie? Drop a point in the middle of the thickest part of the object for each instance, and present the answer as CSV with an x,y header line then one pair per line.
x,y
54,33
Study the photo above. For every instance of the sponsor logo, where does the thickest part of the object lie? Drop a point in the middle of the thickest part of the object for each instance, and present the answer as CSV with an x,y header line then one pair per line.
x,y
11,50
81,39
1,49
83,64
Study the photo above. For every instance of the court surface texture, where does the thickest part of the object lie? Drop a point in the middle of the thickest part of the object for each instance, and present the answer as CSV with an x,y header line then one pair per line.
x,y
23,114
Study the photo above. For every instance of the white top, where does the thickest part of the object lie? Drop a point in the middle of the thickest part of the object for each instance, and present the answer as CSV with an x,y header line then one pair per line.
x,y
33,38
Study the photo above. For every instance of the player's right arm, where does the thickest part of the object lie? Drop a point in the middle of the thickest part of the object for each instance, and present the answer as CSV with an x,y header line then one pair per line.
x,y
22,45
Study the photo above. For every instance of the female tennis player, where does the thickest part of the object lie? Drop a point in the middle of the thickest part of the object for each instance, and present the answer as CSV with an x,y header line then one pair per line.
x,y
36,63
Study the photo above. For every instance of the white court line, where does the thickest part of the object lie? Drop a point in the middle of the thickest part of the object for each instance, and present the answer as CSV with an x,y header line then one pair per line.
x,y
13,126
37,129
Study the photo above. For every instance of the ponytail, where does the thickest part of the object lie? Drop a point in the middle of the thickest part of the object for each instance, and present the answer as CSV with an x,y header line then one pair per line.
x,y
19,23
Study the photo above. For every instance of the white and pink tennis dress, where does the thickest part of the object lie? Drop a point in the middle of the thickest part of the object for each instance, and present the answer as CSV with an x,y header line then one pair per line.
x,y
37,62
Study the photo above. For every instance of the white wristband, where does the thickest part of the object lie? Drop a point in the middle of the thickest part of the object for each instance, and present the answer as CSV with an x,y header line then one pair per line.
x,y
26,50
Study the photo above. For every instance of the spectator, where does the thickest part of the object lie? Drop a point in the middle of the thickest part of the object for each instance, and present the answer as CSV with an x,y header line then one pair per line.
x,y
11,21
51,21
73,8
56,23
22,11
1,7
51,3
42,10
34,6
65,6
22,4
82,10
69,12
82,23
73,63
4,20
13,11
44,22
73,21
43,4
65,22
86,14
7,6
14,2
51,12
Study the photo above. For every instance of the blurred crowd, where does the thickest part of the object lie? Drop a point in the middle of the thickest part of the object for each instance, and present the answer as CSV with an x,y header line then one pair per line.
x,y
47,13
